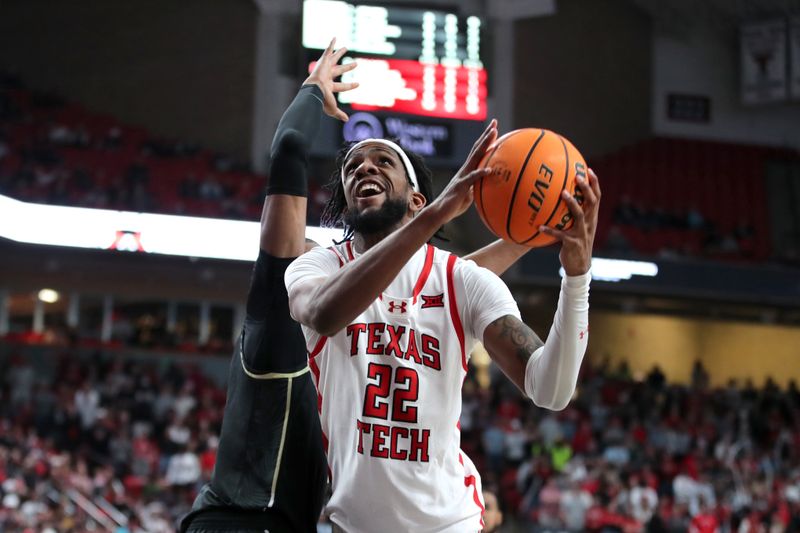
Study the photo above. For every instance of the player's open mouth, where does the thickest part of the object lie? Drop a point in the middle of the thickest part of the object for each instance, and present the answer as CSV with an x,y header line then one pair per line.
x,y
365,189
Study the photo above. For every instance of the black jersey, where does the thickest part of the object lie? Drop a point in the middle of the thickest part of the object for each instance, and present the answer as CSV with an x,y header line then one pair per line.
x,y
271,467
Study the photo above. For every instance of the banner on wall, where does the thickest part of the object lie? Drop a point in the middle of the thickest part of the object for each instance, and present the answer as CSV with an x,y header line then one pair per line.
x,y
763,58
794,58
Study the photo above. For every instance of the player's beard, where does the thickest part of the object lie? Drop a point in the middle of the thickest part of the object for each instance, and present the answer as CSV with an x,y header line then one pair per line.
x,y
380,220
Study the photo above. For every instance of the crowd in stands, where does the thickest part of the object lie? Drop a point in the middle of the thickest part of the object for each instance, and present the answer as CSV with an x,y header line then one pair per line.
x,y
100,435
115,444
680,197
694,234
642,455
56,152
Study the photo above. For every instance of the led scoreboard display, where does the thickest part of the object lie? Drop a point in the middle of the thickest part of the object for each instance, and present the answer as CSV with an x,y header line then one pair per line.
x,y
412,61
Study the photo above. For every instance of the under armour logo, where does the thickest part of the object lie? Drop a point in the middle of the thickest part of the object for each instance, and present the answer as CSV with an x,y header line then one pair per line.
x,y
395,307
583,334
436,300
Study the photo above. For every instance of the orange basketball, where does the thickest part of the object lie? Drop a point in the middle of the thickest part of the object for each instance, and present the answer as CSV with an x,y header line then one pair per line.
x,y
531,168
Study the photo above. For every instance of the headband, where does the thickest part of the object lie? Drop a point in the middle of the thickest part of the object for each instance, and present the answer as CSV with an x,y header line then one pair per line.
x,y
412,176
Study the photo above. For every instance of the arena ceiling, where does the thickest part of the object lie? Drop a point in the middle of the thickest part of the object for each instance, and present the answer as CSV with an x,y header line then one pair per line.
x,y
678,16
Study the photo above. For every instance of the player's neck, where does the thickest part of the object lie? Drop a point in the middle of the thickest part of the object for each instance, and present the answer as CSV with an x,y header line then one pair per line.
x,y
364,241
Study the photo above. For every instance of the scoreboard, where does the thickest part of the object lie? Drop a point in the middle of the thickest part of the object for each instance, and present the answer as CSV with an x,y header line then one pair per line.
x,y
415,61
421,73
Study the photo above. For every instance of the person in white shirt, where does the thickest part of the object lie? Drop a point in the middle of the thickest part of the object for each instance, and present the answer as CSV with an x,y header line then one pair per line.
x,y
389,321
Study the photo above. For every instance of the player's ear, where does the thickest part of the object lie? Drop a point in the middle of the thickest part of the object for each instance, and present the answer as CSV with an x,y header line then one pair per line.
x,y
417,202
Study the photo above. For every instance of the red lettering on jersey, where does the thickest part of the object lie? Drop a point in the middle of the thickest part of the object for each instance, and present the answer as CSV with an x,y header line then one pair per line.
x,y
395,307
362,427
430,347
374,338
379,433
396,452
436,300
411,350
423,350
394,442
354,330
419,445
395,335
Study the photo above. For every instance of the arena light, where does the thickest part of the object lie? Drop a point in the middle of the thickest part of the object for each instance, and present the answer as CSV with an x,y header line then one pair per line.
x,y
49,296
129,231
614,270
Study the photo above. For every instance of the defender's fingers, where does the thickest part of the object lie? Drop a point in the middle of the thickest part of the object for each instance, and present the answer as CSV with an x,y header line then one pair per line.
x,y
341,87
338,70
341,115
329,49
338,54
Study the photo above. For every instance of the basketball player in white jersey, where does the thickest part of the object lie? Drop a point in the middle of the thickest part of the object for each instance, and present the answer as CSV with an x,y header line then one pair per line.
x,y
389,322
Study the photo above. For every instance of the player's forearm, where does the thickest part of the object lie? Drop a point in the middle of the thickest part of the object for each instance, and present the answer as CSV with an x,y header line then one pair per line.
x,y
346,293
302,116
283,218
498,256
552,372
290,147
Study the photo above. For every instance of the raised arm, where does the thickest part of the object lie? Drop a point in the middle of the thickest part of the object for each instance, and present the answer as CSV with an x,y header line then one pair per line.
x,y
283,219
548,372
328,303
498,256
283,223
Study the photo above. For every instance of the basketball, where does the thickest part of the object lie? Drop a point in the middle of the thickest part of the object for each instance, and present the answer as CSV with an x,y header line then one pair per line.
x,y
531,168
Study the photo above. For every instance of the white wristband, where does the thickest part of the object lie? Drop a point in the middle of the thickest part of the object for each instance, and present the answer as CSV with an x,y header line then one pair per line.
x,y
552,371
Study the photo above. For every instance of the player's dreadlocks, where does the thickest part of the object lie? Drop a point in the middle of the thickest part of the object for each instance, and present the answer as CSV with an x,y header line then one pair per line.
x,y
333,214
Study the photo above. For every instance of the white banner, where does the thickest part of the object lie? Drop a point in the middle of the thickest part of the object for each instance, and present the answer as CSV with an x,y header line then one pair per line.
x,y
794,58
128,231
763,55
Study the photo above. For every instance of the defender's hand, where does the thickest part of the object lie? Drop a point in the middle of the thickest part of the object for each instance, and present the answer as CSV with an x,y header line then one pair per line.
x,y
325,71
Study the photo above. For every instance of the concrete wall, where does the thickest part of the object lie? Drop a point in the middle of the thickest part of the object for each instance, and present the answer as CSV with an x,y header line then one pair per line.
x,y
182,69
707,63
727,349
585,73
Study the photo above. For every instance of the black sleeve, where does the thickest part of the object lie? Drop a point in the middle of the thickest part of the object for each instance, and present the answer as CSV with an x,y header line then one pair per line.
x,y
271,341
288,166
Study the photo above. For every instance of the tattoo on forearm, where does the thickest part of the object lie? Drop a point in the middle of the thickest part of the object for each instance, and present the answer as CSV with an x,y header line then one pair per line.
x,y
521,336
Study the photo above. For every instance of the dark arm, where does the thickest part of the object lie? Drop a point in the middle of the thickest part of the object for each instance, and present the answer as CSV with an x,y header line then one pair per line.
x,y
283,219
498,256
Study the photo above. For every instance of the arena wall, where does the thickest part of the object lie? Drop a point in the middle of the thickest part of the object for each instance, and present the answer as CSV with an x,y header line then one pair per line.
x,y
706,63
580,73
182,69
727,349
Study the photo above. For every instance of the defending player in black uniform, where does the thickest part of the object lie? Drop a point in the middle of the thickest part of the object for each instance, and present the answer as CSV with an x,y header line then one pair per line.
x,y
271,471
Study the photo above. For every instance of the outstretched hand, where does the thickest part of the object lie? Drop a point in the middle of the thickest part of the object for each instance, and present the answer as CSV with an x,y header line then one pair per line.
x,y
326,70
457,195
577,242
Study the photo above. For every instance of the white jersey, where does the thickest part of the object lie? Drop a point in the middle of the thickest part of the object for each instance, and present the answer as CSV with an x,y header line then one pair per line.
x,y
389,393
